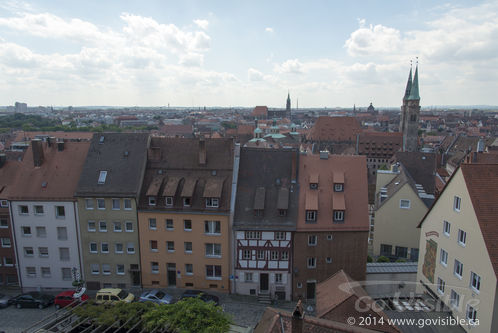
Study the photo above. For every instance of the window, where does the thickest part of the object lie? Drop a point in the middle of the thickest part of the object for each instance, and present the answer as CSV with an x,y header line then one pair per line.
x,y
285,255
4,223
329,237
26,231
188,247
312,240
278,277
338,187
128,226
299,285
104,247
462,237
329,260
311,216
212,202
253,234
118,248
117,226
312,262
60,212
248,277
152,201
153,246
213,272
440,285
446,228
338,216
471,315
246,254
4,203
154,266
169,224
64,253
282,212
93,247
313,186
66,274
169,201
475,282
31,271
130,248
280,235
101,203
95,269
43,252
401,252
170,246
213,250
458,270
189,269
414,254
61,233
404,204
106,269
116,204
28,251
457,201
92,226
152,224
186,202
45,272
102,177
454,299
38,210
127,204
89,204
261,255
444,257
274,255
23,210
212,227
187,225
103,226
6,242
120,269
8,262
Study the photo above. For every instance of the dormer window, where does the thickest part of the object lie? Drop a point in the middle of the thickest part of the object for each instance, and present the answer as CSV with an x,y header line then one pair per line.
x,y
338,216
186,202
311,215
313,186
102,177
212,202
152,201
169,201
338,187
282,212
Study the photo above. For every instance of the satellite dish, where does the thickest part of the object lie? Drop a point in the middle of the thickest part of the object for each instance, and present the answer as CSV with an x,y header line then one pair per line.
x,y
80,293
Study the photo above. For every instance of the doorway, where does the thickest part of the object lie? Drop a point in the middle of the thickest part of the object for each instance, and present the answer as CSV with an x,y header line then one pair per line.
x,y
171,275
310,290
263,282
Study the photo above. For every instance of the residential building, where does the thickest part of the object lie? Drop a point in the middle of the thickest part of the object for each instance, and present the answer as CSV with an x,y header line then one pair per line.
x,y
458,252
410,113
107,194
332,223
264,221
44,214
338,135
184,213
379,147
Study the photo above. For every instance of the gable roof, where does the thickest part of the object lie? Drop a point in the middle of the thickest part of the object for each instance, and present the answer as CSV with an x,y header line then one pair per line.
x,y
335,129
123,156
421,167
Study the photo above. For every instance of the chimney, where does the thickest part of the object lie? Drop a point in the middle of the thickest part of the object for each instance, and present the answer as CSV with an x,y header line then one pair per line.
x,y
51,141
297,318
324,155
3,159
60,145
202,151
37,147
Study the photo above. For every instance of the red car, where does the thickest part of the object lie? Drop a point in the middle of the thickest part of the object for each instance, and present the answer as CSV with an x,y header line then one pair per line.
x,y
66,297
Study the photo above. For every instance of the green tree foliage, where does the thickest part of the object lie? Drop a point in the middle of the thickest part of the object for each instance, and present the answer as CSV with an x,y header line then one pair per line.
x,y
369,259
383,259
228,124
401,260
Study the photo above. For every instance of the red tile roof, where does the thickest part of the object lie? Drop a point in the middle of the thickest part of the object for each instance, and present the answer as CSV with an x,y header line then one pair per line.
x,y
21,135
335,129
260,111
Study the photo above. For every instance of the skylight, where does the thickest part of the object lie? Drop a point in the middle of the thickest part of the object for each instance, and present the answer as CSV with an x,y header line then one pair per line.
x,y
102,176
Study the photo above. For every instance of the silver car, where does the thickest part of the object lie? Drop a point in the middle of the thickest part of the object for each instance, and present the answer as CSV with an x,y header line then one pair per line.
x,y
4,301
157,296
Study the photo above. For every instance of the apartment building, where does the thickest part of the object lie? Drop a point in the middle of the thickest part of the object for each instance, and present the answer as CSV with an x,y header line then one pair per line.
x,y
332,223
184,213
458,253
107,196
264,221
44,214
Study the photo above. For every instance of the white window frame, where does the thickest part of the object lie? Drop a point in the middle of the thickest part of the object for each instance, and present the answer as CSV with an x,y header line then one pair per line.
x,y
446,228
471,315
38,234
117,223
62,228
248,277
120,271
128,248
5,262
29,248
246,254
454,299
213,253
212,228
407,204
462,237
4,203
260,254
441,284
20,207
214,276
443,257
154,267
95,269
26,234
253,234
94,229
102,247
278,278
152,201
168,201
102,177
6,225
39,213
185,247
338,187
67,277
31,271
339,215
45,272
280,235
127,223
152,224
57,214
106,269
212,202
458,269
102,223
4,245
184,226
116,248
153,249
89,206
119,204
125,201
62,250
311,215
42,255
187,271
311,262
457,203
284,255
475,282
168,246
312,240
185,203
169,228
100,200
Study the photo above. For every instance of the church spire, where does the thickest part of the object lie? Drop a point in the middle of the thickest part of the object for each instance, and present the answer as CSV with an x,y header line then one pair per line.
x,y
288,104
414,94
408,84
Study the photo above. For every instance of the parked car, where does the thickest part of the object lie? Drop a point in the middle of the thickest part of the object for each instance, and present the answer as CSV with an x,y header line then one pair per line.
x,y
157,296
113,295
32,300
4,301
67,297
203,295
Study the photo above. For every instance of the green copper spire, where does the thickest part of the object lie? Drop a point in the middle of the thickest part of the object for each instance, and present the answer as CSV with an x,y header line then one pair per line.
x,y
408,85
414,94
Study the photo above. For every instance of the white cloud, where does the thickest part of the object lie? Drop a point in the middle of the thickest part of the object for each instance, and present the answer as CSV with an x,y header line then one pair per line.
x,y
373,40
254,75
269,29
203,24
291,66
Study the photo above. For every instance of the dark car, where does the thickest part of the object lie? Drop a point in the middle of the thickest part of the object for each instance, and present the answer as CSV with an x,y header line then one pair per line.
x,y
157,296
203,295
4,301
67,297
32,300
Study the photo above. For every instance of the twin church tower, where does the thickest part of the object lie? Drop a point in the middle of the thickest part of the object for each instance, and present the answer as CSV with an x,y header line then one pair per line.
x,y
410,113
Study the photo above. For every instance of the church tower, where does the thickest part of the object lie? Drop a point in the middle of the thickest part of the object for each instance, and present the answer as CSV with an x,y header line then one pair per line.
x,y
410,113
288,106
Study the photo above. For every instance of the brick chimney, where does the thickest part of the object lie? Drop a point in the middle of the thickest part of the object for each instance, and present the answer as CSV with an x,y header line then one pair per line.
x,y
36,145
202,151
297,318
60,145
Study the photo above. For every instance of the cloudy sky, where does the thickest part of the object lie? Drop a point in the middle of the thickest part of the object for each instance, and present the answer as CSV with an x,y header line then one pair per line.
x,y
246,53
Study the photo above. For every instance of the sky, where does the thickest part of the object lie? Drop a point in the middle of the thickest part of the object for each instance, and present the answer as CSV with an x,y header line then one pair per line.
x,y
247,53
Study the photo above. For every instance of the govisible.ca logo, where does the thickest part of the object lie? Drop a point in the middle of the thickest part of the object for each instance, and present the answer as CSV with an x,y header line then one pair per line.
x,y
351,321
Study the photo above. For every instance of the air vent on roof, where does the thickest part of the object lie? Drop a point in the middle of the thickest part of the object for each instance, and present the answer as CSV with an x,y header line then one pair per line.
x,y
101,140
213,173
277,181
126,153
159,172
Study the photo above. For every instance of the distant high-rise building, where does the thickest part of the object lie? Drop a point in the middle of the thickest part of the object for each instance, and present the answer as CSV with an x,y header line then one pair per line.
x,y
21,107
410,113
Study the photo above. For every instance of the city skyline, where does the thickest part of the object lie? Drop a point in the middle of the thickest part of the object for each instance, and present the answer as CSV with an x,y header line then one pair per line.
x,y
197,54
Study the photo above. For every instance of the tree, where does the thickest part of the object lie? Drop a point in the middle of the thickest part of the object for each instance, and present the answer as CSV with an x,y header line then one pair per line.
x,y
369,259
383,259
